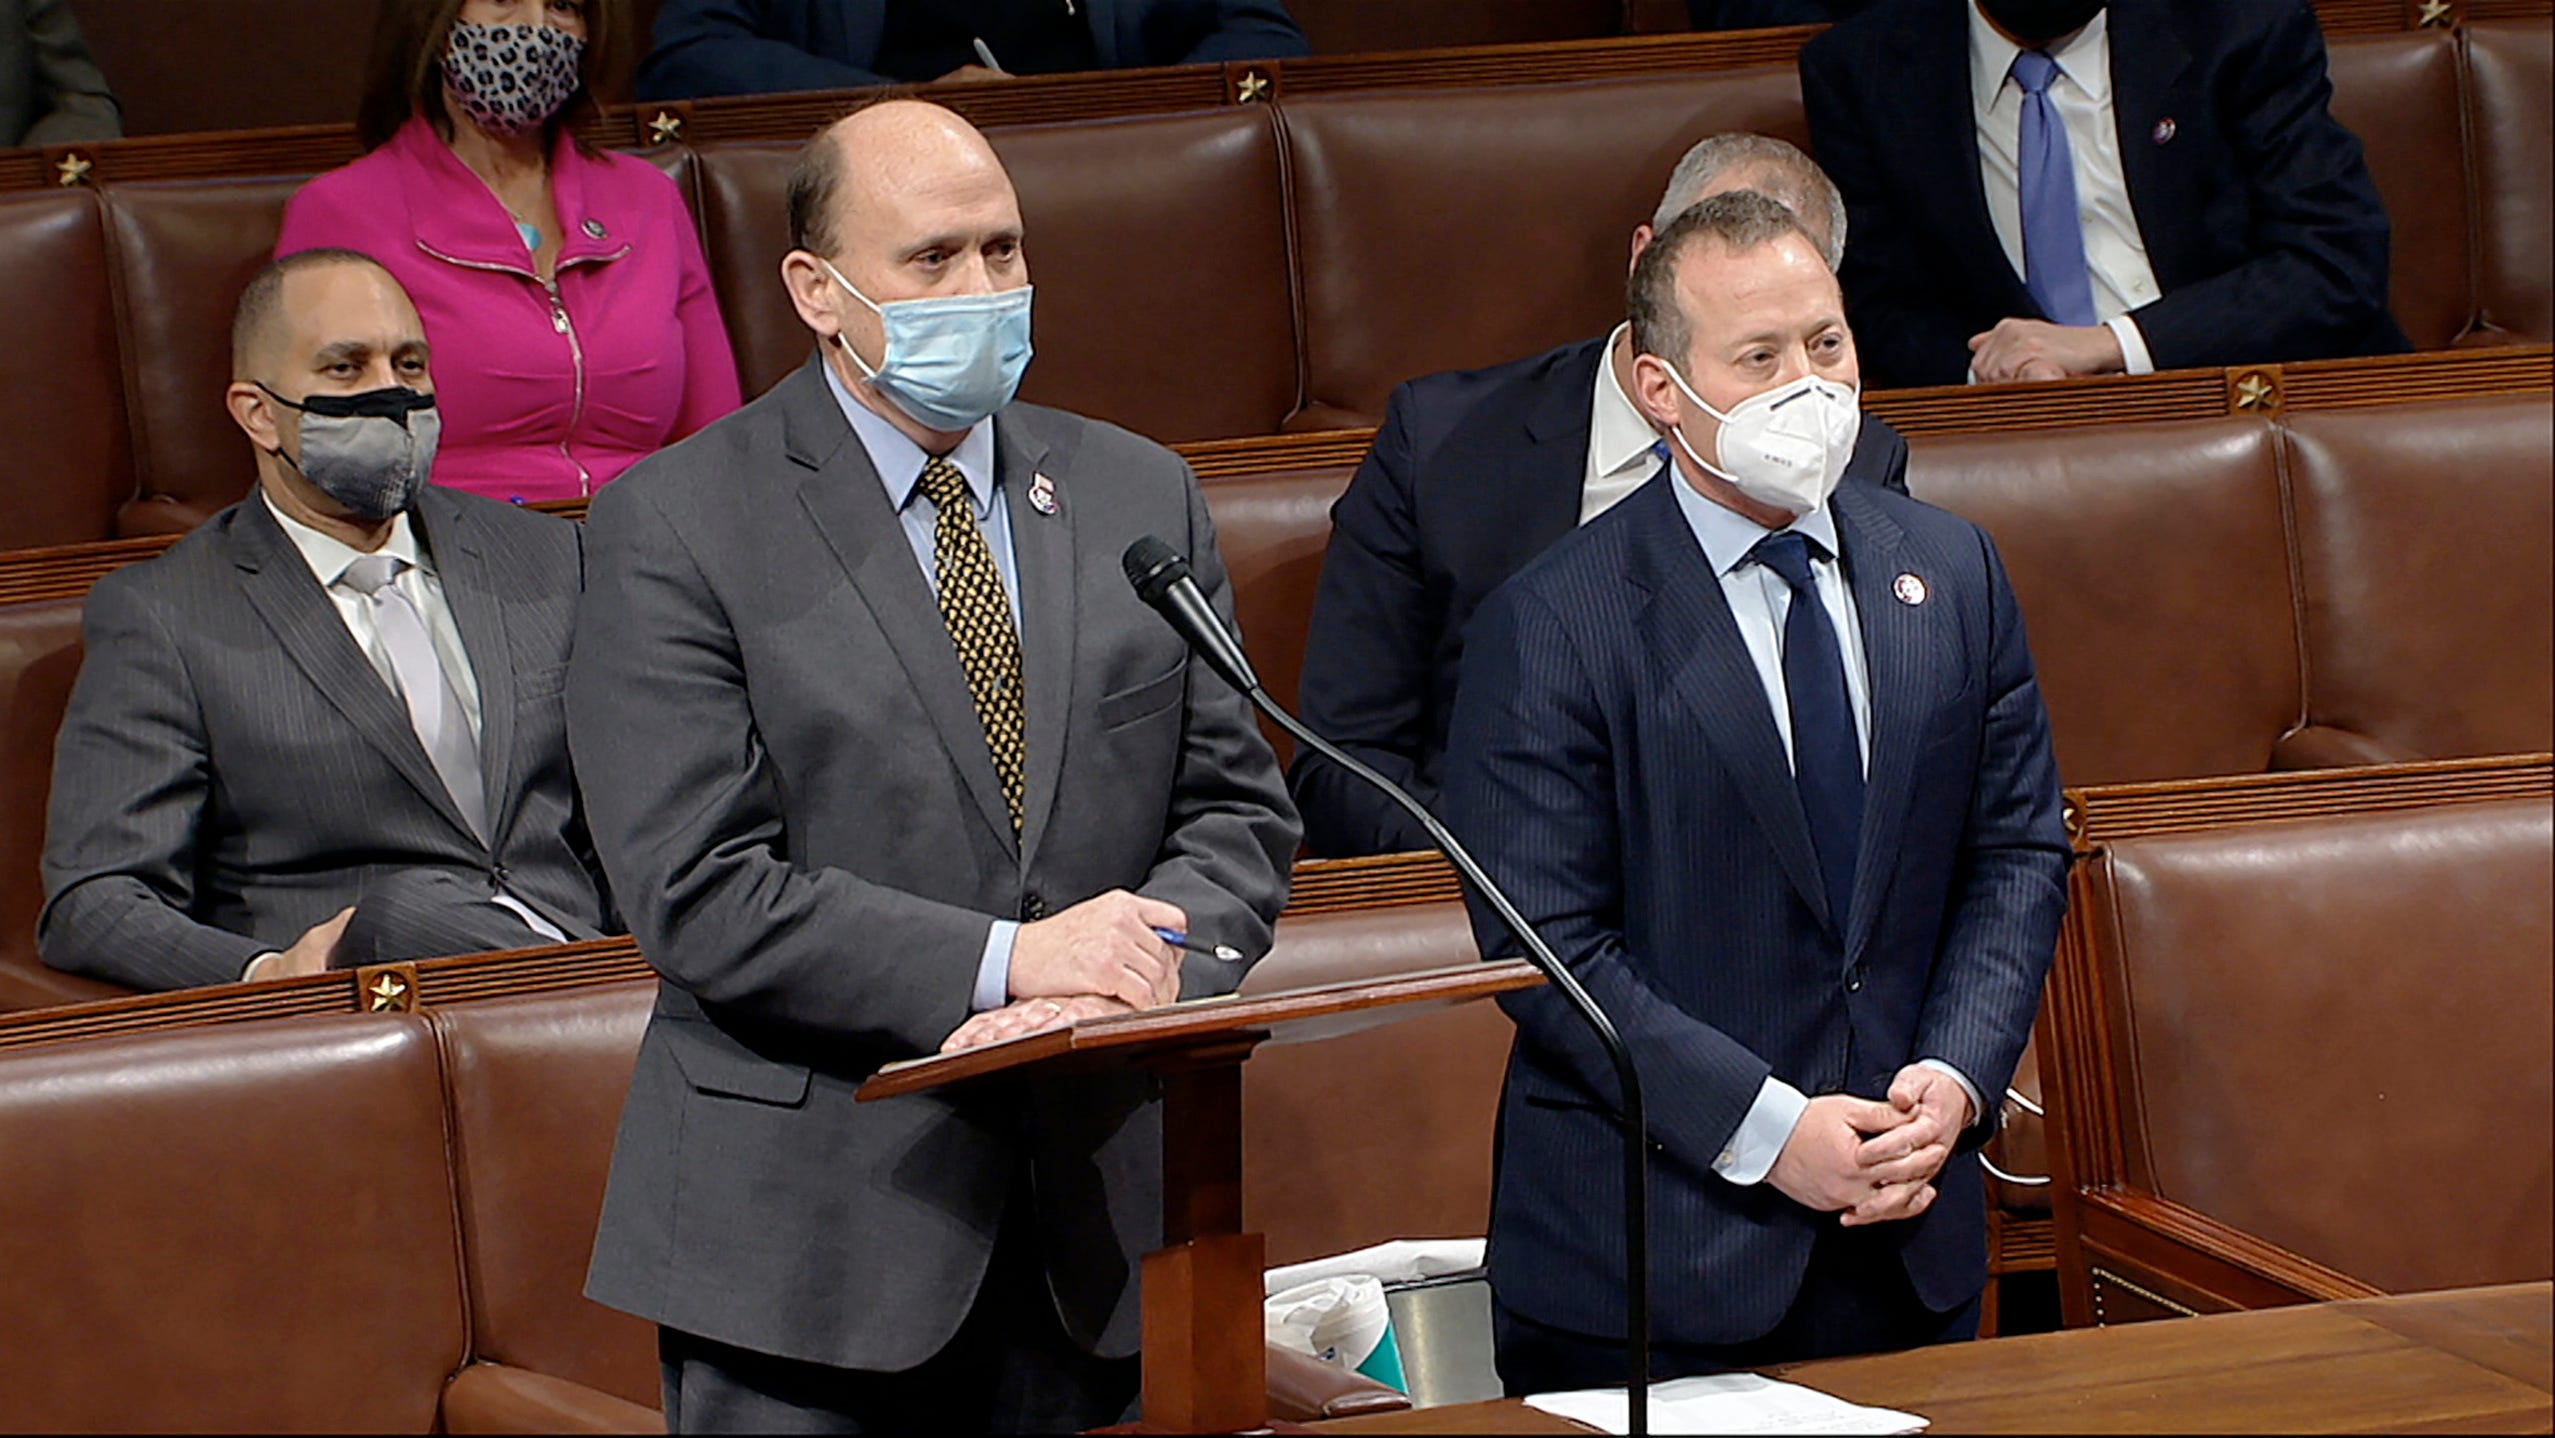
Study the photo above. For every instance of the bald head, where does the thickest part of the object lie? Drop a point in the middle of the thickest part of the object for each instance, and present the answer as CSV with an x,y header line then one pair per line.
x,y
260,325
885,149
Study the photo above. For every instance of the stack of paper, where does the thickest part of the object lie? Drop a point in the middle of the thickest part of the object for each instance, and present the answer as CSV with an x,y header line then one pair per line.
x,y
1403,1260
1728,1403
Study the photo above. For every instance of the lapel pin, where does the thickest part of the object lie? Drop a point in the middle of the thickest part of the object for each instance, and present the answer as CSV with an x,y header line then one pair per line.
x,y
2164,130
1042,494
594,229
1909,589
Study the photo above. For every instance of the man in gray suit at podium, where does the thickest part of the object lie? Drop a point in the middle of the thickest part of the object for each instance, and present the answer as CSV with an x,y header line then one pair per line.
x,y
886,757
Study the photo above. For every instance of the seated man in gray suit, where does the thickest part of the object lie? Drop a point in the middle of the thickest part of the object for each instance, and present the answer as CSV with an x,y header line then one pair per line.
x,y
328,723
885,757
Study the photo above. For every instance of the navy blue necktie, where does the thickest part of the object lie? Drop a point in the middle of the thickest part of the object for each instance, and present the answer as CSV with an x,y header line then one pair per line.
x,y
1827,762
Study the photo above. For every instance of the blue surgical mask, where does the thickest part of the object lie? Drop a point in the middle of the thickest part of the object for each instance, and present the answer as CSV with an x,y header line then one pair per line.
x,y
951,359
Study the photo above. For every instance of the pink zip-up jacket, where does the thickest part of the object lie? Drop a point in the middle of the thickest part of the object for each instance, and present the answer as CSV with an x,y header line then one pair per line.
x,y
547,391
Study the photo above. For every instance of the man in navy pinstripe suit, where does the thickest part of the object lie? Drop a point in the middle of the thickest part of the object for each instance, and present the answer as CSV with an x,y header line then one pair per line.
x,y
1764,759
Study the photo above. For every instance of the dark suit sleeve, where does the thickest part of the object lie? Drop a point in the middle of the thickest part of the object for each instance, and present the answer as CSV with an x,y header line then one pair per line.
x,y
1368,655
2314,282
1905,330
2010,888
132,778
1249,30
1530,780
73,102
730,47
691,827
1230,832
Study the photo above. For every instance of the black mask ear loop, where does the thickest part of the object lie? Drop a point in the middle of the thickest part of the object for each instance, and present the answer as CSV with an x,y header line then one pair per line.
x,y
279,451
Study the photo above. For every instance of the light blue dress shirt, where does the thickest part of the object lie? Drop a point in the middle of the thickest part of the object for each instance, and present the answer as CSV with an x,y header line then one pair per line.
x,y
899,462
1759,602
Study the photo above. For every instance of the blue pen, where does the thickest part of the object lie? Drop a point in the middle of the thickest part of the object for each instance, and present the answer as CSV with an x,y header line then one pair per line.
x,y
1178,940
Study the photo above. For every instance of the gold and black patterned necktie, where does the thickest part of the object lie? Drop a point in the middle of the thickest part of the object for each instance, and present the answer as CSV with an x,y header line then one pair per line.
x,y
973,605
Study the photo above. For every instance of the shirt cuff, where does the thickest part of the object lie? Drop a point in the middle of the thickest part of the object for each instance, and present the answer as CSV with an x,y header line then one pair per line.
x,y
2133,357
254,960
1759,1141
1977,1106
993,971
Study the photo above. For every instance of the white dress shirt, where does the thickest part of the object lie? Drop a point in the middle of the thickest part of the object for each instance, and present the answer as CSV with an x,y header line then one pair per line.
x,y
328,558
899,462
2115,253
1622,453
1760,602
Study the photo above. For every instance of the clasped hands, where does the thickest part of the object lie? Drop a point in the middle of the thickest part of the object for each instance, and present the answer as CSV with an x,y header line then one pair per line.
x,y
1874,1162
2021,349
1099,957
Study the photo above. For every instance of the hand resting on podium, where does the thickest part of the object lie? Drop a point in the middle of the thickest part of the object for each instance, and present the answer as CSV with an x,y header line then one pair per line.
x,y
1102,956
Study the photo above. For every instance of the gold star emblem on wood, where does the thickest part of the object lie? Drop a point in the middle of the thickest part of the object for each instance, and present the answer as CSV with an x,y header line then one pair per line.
x,y
664,127
73,170
2437,14
2255,392
1251,88
387,993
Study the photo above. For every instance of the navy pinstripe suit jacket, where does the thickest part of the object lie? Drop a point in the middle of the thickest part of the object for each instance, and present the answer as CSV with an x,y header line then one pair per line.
x,y
1614,759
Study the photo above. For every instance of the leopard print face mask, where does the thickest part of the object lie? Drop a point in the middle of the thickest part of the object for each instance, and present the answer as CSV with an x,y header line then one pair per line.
x,y
510,79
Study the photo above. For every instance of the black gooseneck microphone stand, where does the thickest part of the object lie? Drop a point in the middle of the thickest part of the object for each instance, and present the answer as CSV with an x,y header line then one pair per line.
x,y
1162,579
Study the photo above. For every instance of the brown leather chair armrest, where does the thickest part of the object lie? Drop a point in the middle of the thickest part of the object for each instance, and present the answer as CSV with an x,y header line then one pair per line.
x,y
1304,1389
2322,746
494,1398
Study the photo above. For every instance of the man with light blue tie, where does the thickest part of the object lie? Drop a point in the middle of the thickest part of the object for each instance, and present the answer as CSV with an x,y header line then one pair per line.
x,y
1762,755
2045,188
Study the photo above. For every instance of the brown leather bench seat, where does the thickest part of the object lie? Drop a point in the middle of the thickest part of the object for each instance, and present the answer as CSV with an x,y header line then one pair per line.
x,y
380,1223
2309,1057
1243,269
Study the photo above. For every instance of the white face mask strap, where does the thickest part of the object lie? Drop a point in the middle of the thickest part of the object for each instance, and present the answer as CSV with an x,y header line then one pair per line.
x,y
843,339
1679,431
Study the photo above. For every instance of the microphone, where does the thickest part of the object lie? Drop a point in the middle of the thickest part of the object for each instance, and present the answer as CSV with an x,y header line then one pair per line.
x,y
1162,579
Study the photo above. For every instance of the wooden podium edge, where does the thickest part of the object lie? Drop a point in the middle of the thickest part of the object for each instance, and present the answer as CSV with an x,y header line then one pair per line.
x,y
1167,1027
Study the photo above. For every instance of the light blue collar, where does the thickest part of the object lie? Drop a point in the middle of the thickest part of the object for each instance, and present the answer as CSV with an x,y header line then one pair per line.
x,y
1727,535
899,461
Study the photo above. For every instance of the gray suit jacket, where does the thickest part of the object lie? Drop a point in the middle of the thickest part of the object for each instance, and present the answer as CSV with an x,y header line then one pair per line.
x,y
791,791
232,770
51,92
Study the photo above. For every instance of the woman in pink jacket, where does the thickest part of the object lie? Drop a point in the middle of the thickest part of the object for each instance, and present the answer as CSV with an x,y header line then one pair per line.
x,y
563,289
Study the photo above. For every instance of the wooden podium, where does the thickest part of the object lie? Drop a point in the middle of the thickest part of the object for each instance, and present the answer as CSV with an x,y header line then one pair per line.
x,y
1205,1359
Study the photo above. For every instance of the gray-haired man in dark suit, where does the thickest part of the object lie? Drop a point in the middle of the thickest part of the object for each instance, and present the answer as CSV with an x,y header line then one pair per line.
x,y
885,757
326,725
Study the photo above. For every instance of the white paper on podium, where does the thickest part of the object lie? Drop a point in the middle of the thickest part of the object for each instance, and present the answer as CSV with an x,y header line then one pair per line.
x,y
1728,1403
1399,1261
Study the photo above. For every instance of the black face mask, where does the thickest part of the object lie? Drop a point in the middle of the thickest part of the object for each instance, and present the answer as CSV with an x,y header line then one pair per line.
x,y
2037,22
